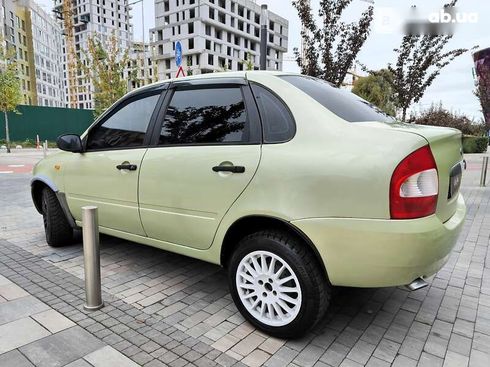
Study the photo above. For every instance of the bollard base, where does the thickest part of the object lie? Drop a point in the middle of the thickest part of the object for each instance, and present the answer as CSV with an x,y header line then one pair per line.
x,y
93,308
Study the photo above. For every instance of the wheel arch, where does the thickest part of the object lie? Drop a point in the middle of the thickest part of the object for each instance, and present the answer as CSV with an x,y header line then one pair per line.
x,y
38,183
253,223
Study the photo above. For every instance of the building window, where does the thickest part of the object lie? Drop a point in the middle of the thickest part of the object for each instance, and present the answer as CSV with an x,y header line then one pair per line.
x,y
222,17
208,30
208,45
190,28
210,59
192,13
211,13
191,43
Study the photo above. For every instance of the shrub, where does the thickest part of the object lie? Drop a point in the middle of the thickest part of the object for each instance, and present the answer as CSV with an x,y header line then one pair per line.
x,y
475,144
438,116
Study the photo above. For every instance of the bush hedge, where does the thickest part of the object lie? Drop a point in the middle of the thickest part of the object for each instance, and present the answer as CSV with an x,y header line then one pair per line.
x,y
436,115
475,144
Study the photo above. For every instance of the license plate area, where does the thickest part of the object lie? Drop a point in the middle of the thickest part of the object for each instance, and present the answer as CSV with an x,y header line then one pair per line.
x,y
455,180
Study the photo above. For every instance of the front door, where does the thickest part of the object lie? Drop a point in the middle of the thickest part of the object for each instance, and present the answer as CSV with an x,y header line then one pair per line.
x,y
207,152
106,174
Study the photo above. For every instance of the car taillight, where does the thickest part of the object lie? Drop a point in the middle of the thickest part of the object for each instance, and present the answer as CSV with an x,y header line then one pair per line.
x,y
414,186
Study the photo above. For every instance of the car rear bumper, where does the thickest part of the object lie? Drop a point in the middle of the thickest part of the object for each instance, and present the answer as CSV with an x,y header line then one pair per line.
x,y
380,253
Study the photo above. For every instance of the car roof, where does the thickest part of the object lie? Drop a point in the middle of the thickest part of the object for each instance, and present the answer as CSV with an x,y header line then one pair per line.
x,y
217,75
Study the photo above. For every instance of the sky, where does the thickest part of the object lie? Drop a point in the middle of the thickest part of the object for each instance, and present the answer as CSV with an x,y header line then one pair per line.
x,y
453,88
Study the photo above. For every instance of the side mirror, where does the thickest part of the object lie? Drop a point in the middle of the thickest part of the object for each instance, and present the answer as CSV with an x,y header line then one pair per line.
x,y
70,143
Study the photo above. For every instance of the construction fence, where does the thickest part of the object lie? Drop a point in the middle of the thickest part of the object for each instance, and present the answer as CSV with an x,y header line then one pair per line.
x,y
47,122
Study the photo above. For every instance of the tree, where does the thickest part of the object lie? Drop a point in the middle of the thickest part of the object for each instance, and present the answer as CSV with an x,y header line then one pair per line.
x,y
331,48
420,59
483,88
248,64
104,65
376,88
10,91
189,64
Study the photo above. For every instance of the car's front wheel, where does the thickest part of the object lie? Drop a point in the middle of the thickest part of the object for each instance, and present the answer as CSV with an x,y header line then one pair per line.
x,y
58,230
277,284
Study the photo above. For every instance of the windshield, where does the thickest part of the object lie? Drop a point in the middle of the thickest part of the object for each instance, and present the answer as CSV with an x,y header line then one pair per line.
x,y
344,104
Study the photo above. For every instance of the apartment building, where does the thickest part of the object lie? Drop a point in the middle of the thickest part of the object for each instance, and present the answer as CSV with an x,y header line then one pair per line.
x,y
141,69
36,38
18,37
215,35
99,18
47,48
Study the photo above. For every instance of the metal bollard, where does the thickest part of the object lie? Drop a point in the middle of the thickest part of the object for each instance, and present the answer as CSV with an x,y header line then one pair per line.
x,y
483,178
91,256
45,149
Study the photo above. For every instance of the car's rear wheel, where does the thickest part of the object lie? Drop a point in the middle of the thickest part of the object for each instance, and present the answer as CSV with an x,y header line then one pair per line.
x,y
277,283
58,230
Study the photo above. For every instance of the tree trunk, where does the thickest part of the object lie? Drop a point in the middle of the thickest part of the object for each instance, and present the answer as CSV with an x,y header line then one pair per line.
x,y
404,114
7,135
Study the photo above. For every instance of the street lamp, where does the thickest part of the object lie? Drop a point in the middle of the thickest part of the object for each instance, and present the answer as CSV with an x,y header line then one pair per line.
x,y
264,22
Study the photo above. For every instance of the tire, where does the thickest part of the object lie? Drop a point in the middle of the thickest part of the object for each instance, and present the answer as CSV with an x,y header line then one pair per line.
x,y
302,304
58,230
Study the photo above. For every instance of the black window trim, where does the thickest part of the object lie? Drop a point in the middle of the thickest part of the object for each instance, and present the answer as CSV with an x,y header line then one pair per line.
x,y
121,104
261,119
253,118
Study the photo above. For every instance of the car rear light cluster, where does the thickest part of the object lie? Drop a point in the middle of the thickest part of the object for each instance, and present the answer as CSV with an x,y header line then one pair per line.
x,y
414,186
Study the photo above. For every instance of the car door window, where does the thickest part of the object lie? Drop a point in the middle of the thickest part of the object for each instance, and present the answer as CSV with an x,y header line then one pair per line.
x,y
206,116
124,128
277,121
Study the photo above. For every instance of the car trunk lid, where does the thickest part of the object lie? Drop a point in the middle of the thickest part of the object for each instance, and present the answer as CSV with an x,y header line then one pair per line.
x,y
446,147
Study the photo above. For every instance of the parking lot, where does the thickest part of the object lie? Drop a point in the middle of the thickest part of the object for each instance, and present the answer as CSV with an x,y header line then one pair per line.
x,y
165,309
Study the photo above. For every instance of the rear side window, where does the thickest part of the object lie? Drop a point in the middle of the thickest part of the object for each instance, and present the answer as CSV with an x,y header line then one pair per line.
x,y
124,128
344,104
205,116
277,122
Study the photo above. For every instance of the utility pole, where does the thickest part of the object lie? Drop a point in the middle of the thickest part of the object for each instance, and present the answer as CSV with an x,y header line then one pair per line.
x,y
264,23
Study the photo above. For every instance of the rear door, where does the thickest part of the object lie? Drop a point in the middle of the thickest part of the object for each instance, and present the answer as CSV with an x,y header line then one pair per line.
x,y
206,150
106,174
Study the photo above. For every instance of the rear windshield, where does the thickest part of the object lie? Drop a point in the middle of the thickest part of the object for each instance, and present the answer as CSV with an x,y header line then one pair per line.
x,y
344,104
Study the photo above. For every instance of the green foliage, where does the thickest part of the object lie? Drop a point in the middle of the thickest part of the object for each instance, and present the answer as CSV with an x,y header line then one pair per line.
x,y
475,144
436,115
248,63
10,91
104,66
330,48
376,88
189,70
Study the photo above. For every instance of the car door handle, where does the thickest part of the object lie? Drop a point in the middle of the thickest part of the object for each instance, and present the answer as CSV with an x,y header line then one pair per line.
x,y
129,167
233,169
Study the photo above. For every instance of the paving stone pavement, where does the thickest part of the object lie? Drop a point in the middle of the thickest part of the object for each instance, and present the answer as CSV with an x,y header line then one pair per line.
x,y
34,334
165,309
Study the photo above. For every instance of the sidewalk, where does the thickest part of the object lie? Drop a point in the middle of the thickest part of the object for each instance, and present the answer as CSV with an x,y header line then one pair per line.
x,y
34,334
162,309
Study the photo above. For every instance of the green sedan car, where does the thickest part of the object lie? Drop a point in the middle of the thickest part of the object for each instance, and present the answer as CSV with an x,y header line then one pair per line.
x,y
292,185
